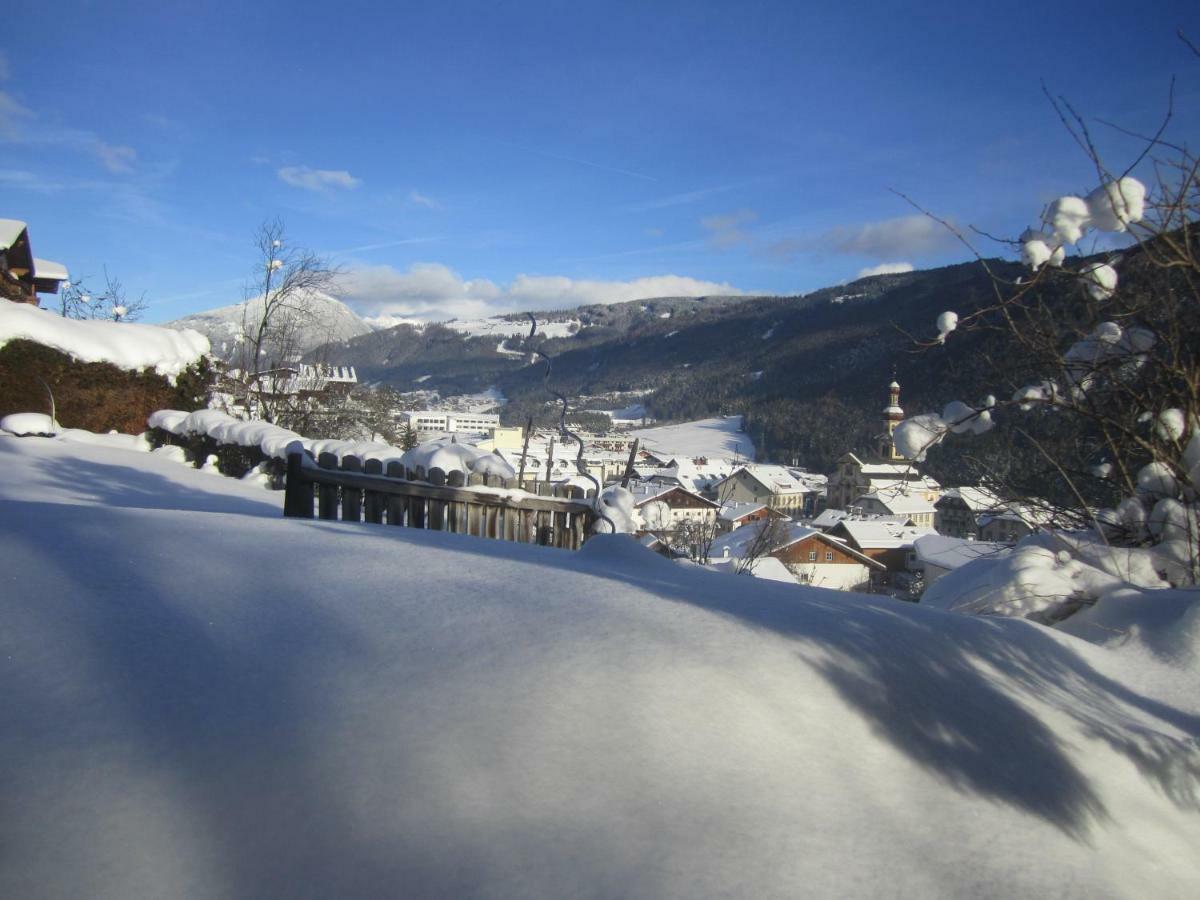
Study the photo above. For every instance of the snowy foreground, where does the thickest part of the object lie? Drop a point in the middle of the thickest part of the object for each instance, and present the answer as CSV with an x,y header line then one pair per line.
x,y
202,699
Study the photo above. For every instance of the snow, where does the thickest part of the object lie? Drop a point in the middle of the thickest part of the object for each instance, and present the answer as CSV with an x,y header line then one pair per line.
x,y
1068,217
717,437
28,424
629,414
952,553
946,323
48,270
914,436
501,327
204,699
10,232
1116,205
126,345
1100,279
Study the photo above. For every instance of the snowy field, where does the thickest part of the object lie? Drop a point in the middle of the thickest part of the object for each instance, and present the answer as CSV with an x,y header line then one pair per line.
x,y
501,327
202,699
715,438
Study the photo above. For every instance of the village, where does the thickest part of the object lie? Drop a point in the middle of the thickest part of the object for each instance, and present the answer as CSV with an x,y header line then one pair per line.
x,y
875,525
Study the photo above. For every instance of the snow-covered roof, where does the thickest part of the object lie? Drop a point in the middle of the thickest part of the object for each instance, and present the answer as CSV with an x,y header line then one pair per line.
x,y
950,552
767,568
976,499
897,503
49,271
829,517
126,345
645,491
877,534
893,470
10,232
782,479
1016,512
733,511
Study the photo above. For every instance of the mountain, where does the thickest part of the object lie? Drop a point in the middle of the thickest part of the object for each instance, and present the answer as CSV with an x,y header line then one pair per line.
x,y
325,320
809,372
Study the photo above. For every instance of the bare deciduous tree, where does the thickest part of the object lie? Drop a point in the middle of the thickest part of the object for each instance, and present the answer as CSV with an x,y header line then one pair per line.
x,y
75,301
769,534
278,317
1114,366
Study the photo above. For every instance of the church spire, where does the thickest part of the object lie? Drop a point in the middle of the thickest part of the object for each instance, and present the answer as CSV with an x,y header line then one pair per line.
x,y
893,415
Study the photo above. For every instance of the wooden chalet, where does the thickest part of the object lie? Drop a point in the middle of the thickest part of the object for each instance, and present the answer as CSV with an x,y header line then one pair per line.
x,y
685,505
22,275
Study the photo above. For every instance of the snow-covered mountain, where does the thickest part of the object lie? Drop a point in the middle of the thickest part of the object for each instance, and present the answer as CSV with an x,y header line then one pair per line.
x,y
327,319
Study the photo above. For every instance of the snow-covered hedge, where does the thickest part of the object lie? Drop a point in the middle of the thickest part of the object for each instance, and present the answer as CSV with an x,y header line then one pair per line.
x,y
126,345
277,443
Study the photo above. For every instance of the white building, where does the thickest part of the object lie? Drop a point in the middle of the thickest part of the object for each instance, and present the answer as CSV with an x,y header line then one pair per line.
x,y
898,503
788,490
436,420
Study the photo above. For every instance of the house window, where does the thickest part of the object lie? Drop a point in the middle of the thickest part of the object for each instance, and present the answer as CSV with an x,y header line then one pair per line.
x,y
812,555
828,556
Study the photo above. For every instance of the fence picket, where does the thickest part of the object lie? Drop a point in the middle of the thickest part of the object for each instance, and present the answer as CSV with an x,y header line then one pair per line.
x,y
327,494
351,496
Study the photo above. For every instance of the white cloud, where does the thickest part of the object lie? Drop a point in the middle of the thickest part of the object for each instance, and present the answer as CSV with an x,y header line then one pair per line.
x,y
117,158
11,114
727,230
317,179
906,236
419,199
434,291
909,236
896,268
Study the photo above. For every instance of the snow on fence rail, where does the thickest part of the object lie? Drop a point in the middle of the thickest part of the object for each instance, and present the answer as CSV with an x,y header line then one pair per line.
x,y
481,504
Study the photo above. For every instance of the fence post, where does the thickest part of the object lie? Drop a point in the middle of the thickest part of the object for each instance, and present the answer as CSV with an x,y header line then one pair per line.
x,y
298,493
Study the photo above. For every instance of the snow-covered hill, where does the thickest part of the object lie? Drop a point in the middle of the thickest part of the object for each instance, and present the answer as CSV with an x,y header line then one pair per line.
x,y
204,699
327,319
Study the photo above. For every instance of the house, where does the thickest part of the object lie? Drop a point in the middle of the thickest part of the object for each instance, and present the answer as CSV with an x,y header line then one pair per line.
x,y
734,515
676,505
22,275
812,556
701,475
897,502
822,560
1009,523
959,508
788,490
887,541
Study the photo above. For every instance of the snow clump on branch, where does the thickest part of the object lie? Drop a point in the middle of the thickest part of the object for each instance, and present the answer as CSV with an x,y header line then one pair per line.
x,y
946,323
1100,279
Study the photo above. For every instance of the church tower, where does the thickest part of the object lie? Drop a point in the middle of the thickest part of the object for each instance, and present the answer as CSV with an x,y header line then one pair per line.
x,y
893,415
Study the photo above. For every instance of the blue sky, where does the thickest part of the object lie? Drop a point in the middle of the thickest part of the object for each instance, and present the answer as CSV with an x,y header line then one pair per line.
x,y
470,158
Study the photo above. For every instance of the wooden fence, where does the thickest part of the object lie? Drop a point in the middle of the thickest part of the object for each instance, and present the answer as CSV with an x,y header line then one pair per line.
x,y
353,491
